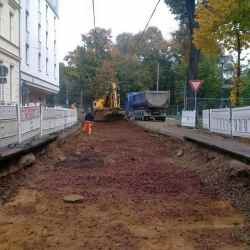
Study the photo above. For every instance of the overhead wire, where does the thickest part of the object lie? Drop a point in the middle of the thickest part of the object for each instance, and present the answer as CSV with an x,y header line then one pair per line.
x,y
147,24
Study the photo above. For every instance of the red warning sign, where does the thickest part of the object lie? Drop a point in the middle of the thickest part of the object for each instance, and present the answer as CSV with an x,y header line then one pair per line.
x,y
196,84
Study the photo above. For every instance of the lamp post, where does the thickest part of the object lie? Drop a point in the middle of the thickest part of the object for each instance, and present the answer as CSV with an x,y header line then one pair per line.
x,y
222,63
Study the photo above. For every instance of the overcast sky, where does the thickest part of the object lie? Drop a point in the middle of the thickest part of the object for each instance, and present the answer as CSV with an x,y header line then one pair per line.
x,y
119,15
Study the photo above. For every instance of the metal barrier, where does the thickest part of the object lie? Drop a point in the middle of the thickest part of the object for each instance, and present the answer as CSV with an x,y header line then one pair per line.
x,y
56,119
30,123
18,124
241,122
8,125
188,119
206,119
220,121
229,121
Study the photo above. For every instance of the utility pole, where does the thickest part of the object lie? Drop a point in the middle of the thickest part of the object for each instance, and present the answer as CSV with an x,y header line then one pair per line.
x,y
158,76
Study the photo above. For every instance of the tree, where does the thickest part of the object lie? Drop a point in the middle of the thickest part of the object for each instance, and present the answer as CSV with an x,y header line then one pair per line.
x,y
125,43
185,13
98,41
211,73
245,92
85,64
224,26
105,75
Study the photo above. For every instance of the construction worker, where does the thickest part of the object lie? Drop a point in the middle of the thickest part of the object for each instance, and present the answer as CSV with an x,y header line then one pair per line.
x,y
88,123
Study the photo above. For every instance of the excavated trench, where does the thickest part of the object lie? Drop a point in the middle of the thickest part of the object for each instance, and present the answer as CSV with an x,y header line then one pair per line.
x,y
138,192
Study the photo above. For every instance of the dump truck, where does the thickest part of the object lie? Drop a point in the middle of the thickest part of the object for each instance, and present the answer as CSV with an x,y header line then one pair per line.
x,y
147,105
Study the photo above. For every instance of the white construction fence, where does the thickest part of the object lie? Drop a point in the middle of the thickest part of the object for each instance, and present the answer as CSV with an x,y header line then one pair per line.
x,y
235,121
18,124
188,119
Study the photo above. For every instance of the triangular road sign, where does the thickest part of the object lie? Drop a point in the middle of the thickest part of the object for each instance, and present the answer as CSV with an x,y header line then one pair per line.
x,y
196,84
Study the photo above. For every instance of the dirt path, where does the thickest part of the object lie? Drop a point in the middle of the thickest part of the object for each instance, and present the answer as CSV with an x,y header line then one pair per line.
x,y
136,196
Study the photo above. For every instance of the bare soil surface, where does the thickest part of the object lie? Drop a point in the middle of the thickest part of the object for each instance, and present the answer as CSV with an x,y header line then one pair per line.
x,y
138,193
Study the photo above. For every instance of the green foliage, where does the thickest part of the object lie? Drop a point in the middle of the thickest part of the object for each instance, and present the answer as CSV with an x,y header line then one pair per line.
x,y
245,92
210,72
178,8
224,26
88,73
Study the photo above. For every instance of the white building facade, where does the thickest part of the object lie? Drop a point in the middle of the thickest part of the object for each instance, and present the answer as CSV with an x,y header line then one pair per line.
x,y
10,50
39,64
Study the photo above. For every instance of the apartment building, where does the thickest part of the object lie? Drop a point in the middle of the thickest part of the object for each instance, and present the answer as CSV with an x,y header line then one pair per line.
x,y
9,51
39,64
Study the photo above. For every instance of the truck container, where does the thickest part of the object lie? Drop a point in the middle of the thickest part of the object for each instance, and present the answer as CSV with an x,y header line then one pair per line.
x,y
148,105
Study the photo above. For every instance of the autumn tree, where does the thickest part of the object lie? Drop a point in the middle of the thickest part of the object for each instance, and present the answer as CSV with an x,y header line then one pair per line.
x,y
105,75
224,26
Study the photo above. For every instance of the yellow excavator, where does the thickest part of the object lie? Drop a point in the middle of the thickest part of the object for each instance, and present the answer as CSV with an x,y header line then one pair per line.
x,y
108,107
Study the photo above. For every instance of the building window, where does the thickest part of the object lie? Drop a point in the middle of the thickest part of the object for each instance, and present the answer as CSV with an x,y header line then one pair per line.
x,y
39,62
11,27
11,83
55,25
47,39
27,21
27,54
55,71
39,32
47,65
55,46
47,15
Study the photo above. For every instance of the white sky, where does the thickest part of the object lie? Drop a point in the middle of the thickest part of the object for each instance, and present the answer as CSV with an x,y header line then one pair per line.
x,y
119,15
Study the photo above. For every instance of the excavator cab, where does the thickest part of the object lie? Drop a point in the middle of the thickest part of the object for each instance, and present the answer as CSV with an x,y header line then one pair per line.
x,y
108,105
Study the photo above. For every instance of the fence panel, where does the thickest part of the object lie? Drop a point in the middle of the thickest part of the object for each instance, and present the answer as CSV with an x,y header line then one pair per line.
x,y
206,119
188,119
18,124
30,122
220,121
52,120
56,119
8,125
241,121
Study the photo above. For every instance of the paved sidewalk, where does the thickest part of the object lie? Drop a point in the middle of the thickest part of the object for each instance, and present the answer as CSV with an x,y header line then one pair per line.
x,y
227,145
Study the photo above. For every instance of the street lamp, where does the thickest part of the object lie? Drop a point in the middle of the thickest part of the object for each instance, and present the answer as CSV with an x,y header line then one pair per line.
x,y
223,60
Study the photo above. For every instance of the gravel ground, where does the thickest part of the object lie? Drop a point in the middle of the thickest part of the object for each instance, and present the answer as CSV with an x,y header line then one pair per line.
x,y
140,191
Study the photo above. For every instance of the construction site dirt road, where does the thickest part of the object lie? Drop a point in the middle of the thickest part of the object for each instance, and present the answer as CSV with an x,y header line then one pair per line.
x,y
139,191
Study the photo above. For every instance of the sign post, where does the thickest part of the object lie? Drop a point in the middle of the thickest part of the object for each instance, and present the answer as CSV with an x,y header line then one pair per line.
x,y
195,85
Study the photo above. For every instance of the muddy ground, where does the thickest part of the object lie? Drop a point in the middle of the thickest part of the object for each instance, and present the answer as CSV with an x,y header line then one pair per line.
x,y
139,192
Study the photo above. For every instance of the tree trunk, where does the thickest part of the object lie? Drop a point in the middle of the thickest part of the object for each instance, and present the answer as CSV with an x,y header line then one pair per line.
x,y
194,53
238,70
